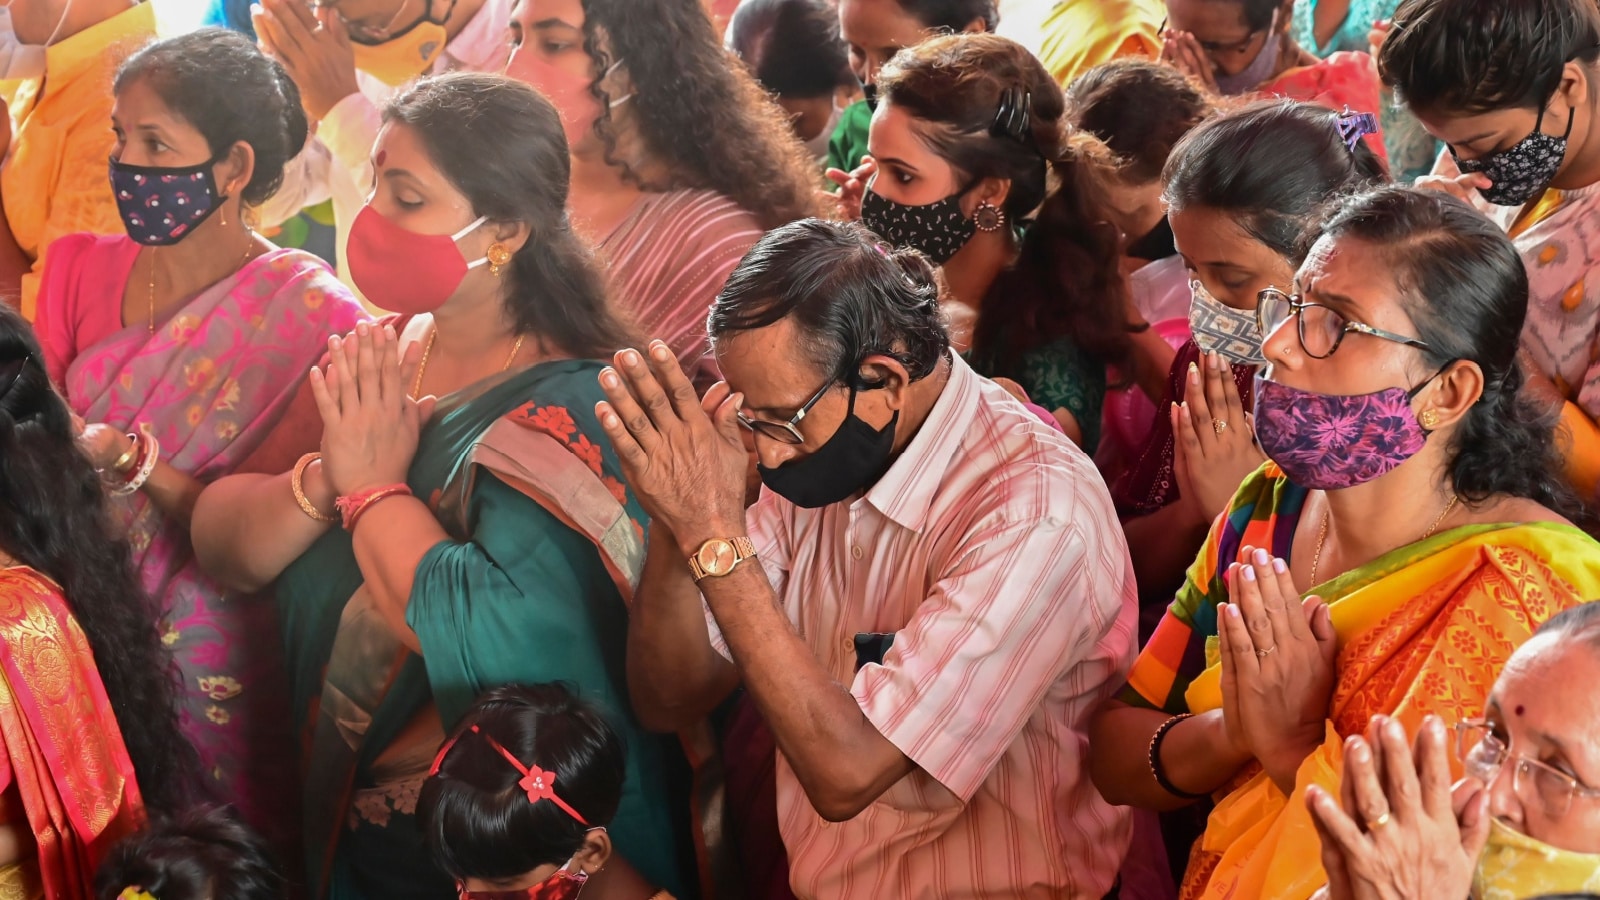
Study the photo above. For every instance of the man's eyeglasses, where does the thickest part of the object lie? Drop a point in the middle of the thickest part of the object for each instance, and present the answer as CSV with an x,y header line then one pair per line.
x,y
785,432
1320,328
1238,46
1483,753
366,32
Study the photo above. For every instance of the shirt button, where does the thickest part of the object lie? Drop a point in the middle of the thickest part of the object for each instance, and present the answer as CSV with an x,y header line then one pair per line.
x,y
856,552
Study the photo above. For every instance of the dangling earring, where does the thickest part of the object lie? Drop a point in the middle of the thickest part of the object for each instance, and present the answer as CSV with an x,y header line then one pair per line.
x,y
1429,420
498,256
989,217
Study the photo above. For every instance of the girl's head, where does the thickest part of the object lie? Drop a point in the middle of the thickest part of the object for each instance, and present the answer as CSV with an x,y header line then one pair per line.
x,y
875,30
52,519
487,818
1449,293
793,49
1488,79
691,118
203,854
464,147
1245,40
1140,109
209,98
1242,187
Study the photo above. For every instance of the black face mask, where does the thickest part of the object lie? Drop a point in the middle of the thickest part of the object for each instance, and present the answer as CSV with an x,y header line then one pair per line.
x,y
852,460
1156,245
938,230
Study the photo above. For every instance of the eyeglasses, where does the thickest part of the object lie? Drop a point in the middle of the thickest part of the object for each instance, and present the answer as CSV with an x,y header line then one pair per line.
x,y
1239,46
1321,329
1483,753
786,432
365,32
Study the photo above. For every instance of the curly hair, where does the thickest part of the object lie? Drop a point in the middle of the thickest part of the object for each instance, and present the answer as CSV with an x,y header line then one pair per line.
x,y
1067,280
53,520
1466,291
1140,109
703,120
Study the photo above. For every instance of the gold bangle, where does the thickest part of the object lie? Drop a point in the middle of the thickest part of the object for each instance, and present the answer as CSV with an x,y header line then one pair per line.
x,y
124,462
297,484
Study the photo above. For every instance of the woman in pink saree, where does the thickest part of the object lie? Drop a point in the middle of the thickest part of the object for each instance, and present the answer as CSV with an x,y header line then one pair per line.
x,y
182,345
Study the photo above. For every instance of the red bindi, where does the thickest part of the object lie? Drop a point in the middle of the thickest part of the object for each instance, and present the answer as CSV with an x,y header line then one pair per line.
x,y
382,155
1520,709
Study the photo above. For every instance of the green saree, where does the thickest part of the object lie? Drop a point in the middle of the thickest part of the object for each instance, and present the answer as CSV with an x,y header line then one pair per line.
x,y
545,547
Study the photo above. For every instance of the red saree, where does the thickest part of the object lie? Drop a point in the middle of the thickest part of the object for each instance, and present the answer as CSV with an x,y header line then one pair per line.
x,y
62,748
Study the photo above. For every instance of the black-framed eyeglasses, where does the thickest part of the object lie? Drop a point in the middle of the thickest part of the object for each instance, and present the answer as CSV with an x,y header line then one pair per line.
x,y
786,432
1321,329
362,32
1483,754
1239,46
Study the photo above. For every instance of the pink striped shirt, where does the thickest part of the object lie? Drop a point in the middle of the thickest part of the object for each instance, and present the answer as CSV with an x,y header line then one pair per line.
x,y
991,552
668,260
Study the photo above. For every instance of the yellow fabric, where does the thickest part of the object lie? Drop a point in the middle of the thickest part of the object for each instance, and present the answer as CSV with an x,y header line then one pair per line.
x,y
1425,630
21,881
1082,34
55,181
1514,866
1537,211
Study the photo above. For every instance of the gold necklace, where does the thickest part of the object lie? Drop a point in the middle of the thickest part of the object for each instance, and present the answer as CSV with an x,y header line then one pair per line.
x,y
427,349
1322,538
150,298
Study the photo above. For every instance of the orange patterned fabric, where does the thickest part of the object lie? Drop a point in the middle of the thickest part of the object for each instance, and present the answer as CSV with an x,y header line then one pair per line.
x,y
62,747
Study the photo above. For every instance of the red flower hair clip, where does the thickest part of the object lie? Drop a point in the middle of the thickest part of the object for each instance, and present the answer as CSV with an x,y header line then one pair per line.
x,y
538,783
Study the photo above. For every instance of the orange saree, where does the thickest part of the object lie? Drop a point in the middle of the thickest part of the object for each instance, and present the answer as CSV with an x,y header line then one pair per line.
x,y
62,749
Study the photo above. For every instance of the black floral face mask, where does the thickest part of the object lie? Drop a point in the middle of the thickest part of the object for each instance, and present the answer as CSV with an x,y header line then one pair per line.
x,y
938,230
1522,171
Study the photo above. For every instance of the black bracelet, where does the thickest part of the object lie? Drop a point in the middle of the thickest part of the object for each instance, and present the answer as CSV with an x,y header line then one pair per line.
x,y
1140,328
1155,760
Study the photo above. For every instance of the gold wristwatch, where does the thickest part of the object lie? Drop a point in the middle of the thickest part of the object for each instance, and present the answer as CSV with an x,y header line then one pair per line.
x,y
720,556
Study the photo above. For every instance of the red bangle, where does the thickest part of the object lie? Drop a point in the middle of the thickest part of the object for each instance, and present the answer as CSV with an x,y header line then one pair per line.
x,y
353,506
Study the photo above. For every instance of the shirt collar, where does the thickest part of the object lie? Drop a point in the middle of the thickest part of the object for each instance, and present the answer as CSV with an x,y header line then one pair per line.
x,y
905,492
66,58
483,44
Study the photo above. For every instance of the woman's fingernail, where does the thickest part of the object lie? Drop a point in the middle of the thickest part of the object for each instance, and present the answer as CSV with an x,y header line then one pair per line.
x,y
1233,611
1261,557
1359,752
1249,573
1194,373
630,358
362,329
660,351
608,377
1393,731
1279,566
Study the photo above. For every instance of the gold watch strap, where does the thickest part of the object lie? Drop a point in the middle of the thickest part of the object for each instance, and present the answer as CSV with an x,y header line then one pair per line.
x,y
743,549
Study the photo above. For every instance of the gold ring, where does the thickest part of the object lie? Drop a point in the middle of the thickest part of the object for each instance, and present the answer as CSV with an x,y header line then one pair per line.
x,y
1263,653
1218,426
1379,822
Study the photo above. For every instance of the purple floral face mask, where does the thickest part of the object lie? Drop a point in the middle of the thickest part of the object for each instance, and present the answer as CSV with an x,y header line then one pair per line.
x,y
1327,442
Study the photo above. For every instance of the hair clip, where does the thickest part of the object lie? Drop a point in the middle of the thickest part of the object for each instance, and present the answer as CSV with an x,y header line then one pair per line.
x,y
1014,119
1354,126
17,376
134,892
536,782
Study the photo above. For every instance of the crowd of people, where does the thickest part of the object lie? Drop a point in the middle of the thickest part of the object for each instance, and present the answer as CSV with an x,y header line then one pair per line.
x,y
800,450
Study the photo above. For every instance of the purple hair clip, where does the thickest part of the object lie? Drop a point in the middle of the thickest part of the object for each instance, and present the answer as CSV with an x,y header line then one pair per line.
x,y
1354,126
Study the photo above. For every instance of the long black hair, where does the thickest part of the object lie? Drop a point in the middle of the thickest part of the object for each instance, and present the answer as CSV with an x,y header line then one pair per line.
x,y
478,821
500,143
53,519
205,853
1067,280
1466,291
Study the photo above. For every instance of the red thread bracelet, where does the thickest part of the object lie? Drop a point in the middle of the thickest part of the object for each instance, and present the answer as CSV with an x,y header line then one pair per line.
x,y
353,506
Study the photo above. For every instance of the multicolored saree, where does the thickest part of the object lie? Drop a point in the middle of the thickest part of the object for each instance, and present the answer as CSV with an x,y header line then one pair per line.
x,y
1422,630
62,748
211,381
546,546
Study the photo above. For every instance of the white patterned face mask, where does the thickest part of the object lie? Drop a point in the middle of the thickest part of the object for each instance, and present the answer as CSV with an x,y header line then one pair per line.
x,y
1233,334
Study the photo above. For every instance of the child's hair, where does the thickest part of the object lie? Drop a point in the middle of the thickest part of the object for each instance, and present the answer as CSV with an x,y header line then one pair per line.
x,y
477,816
205,853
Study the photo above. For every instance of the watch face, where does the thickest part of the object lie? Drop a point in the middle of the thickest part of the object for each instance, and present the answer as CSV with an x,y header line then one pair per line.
x,y
717,557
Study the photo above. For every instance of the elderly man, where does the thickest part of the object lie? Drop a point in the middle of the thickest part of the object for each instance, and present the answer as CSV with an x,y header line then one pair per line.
x,y
925,604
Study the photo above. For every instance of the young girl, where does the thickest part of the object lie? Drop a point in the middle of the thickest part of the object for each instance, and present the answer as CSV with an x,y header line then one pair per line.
x,y
518,800
205,854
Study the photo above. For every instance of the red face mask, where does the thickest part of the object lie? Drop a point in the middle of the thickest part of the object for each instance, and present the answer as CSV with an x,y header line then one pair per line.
x,y
569,93
402,271
562,885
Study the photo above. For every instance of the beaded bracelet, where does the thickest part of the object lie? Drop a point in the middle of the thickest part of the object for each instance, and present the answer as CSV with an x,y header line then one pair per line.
x,y
1158,770
355,505
297,485
149,455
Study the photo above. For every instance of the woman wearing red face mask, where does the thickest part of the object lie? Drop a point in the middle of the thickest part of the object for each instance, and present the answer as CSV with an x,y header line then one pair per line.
x,y
437,549
679,161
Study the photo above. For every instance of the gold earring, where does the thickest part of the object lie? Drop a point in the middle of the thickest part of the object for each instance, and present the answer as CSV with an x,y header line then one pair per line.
x,y
1429,420
498,257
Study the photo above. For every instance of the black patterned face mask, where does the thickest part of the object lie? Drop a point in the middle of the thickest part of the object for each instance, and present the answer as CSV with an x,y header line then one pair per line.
x,y
1522,171
939,230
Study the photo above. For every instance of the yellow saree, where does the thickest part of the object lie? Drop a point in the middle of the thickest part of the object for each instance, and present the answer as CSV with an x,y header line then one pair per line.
x,y
1423,630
